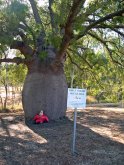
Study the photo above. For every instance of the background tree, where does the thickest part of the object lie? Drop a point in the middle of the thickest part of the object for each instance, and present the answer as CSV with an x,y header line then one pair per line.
x,y
46,35
11,80
104,81
3,82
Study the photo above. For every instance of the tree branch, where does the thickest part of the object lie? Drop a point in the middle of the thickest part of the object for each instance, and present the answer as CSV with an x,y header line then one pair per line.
x,y
94,24
40,39
108,26
107,17
82,69
32,33
52,15
26,50
107,48
113,27
120,33
22,35
16,60
68,28
89,65
35,12
22,26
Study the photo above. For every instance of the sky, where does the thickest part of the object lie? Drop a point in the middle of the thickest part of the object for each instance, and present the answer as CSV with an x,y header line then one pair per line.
x,y
42,2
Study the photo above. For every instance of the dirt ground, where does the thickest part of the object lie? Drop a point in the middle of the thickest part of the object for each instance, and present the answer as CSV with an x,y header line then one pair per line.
x,y
99,139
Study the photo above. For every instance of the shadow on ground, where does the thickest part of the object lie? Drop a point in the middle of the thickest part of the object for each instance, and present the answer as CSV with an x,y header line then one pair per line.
x,y
51,143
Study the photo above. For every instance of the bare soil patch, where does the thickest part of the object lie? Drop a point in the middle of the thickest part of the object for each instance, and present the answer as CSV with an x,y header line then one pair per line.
x,y
99,140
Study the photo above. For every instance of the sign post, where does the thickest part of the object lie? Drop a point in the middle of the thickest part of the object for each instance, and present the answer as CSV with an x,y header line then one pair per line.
x,y
74,131
76,100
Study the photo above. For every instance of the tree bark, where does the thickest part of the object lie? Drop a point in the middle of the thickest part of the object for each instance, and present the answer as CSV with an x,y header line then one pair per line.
x,y
45,89
47,92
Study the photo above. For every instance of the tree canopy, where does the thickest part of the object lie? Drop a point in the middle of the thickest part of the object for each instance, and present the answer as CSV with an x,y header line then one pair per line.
x,y
77,27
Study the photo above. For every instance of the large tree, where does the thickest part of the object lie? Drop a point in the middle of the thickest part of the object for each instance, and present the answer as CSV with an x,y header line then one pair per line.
x,y
46,35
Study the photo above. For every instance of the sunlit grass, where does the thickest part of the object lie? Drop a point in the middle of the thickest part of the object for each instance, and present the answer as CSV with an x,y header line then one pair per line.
x,y
12,108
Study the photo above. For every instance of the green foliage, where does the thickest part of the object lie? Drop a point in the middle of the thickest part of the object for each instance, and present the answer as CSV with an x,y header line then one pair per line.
x,y
103,81
42,55
61,9
54,40
10,17
13,75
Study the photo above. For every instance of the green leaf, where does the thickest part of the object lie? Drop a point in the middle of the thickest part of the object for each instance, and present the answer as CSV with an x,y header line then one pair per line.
x,y
42,55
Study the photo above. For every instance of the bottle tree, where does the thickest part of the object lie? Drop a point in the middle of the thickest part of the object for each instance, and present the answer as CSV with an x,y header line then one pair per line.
x,y
46,35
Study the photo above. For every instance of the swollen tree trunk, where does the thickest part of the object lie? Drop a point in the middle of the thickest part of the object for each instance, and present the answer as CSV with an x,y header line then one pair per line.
x,y
44,89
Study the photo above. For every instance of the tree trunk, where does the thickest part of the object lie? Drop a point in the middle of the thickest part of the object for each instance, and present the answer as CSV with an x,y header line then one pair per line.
x,y
45,91
6,96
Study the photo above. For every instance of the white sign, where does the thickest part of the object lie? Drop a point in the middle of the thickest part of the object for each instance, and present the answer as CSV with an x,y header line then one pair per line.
x,y
76,98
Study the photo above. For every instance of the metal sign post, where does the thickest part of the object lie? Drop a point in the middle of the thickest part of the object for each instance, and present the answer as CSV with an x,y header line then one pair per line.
x,y
74,131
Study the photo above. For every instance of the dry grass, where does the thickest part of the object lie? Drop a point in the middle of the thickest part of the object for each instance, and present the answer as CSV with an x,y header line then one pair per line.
x,y
91,99
99,140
